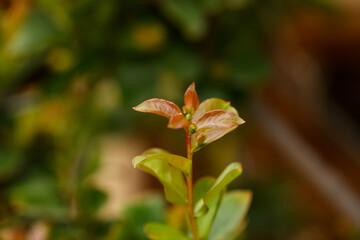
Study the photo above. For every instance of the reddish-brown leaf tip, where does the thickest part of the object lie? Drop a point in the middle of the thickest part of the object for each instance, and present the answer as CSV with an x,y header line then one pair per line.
x,y
159,106
191,99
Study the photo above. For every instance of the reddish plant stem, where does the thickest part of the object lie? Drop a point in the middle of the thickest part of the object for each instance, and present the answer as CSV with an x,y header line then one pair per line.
x,y
189,181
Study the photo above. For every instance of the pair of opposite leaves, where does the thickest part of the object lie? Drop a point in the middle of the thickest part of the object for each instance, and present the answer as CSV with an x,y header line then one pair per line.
x,y
208,121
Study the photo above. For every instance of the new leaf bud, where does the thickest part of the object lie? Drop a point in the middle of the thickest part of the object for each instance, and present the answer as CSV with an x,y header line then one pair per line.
x,y
200,139
192,128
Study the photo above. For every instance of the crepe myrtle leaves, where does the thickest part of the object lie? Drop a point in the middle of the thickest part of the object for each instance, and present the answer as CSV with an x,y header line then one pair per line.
x,y
212,213
206,121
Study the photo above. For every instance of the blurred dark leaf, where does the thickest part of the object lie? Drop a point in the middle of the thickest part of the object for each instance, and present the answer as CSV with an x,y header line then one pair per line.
x,y
37,196
249,69
91,162
11,163
187,14
183,62
137,214
90,200
35,35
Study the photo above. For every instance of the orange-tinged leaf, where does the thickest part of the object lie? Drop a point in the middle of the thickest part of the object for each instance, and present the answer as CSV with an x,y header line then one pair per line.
x,y
178,121
218,119
204,137
159,106
213,104
216,133
214,118
191,98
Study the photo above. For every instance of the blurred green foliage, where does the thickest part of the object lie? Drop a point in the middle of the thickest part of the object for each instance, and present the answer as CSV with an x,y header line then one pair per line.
x,y
71,70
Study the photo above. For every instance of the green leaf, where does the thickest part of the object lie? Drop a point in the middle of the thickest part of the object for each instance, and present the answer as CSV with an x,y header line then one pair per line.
x,y
168,168
159,231
179,162
230,217
205,222
153,151
227,176
202,186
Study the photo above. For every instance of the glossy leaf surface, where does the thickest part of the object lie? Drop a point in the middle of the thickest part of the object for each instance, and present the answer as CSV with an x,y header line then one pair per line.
x,y
153,151
171,177
230,217
179,162
213,104
202,186
159,106
214,118
159,231
218,119
227,176
205,222
210,135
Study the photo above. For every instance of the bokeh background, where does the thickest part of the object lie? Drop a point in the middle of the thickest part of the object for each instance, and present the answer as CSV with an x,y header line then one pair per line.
x,y
70,71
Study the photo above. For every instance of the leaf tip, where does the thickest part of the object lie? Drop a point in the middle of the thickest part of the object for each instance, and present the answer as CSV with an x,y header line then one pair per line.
x,y
238,166
137,108
191,99
241,121
134,164
192,85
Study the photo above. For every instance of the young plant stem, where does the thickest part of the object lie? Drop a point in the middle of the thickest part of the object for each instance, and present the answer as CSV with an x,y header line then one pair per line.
x,y
189,181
